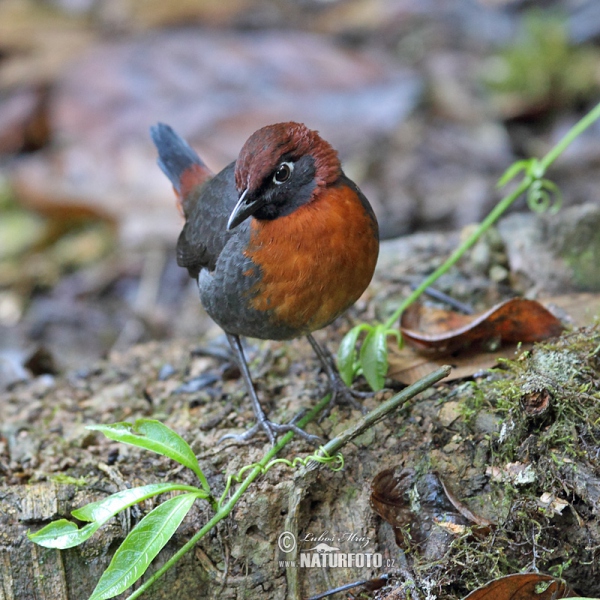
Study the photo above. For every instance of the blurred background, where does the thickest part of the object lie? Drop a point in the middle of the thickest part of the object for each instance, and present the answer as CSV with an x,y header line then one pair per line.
x,y
427,101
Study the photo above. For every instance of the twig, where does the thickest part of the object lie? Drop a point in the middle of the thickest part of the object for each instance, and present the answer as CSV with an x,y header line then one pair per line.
x,y
375,416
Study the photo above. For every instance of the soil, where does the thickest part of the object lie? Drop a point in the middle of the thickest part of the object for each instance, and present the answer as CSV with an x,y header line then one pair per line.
x,y
518,445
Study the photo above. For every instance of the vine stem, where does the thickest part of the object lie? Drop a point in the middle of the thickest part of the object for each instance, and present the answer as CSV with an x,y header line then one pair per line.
x,y
383,410
494,215
226,509
570,136
331,448
498,210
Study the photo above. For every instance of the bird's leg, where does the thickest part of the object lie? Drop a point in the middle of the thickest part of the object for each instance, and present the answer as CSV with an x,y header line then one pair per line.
x,y
339,390
270,428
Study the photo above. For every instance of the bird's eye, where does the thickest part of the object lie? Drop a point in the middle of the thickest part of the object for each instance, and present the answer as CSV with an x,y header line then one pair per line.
x,y
284,170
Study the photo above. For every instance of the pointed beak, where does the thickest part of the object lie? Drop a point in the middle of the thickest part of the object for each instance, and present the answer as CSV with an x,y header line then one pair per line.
x,y
245,207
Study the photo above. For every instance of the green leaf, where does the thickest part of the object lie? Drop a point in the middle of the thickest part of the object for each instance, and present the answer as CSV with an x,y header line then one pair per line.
x,y
153,435
374,357
513,171
103,510
62,534
141,546
346,356
395,333
65,534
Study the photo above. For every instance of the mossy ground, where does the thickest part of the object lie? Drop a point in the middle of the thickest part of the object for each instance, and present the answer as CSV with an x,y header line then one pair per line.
x,y
540,453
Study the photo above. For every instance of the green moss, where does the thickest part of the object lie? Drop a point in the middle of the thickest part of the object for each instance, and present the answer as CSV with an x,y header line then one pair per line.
x,y
548,447
584,266
63,479
542,68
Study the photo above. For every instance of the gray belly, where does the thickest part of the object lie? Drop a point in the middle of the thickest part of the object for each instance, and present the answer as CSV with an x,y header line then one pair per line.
x,y
226,295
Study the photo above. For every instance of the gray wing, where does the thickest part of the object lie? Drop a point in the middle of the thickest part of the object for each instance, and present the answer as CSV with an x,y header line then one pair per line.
x,y
205,232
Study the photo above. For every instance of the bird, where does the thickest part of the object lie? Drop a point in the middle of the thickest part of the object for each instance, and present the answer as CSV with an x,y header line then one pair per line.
x,y
281,242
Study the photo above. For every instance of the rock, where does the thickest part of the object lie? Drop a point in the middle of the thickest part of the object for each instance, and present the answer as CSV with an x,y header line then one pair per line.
x,y
554,253
449,412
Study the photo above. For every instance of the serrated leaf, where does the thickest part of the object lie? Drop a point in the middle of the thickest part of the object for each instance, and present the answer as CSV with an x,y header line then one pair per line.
x,y
103,510
347,355
62,534
141,546
512,172
374,357
153,435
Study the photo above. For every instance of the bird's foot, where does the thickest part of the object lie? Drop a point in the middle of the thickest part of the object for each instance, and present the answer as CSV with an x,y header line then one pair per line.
x,y
273,430
342,394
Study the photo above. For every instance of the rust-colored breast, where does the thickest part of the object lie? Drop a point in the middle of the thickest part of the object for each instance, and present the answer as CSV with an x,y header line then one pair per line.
x,y
315,262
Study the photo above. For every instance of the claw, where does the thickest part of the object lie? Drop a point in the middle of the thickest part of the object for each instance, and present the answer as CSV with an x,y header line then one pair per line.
x,y
272,430
340,392
240,437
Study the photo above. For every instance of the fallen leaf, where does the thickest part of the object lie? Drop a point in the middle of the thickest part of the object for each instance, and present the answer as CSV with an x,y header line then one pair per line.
x,y
515,320
453,528
579,309
463,509
523,586
412,504
536,403
390,499
548,500
408,365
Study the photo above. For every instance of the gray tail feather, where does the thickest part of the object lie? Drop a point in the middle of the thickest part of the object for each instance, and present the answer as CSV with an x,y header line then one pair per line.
x,y
175,155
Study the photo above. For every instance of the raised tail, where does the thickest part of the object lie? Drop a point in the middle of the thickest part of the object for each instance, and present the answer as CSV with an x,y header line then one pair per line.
x,y
179,162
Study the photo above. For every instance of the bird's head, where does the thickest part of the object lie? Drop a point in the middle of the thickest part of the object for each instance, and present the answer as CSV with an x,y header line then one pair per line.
x,y
280,168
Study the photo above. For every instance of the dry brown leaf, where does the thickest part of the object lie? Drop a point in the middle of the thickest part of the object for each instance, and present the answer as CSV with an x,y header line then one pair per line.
x,y
463,509
443,332
407,365
579,309
391,498
523,586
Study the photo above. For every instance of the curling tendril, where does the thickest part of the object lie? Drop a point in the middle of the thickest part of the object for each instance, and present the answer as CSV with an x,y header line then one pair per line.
x,y
320,456
543,195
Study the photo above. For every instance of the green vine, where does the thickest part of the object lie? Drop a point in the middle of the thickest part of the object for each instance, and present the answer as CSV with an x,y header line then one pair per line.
x,y
149,536
542,195
321,456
